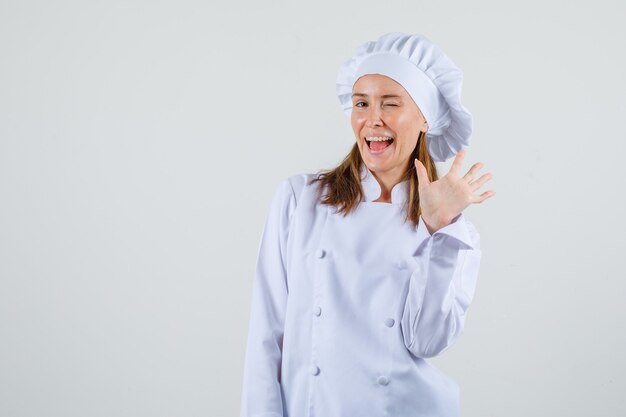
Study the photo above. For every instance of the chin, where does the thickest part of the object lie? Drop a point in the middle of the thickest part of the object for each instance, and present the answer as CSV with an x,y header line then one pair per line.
x,y
375,167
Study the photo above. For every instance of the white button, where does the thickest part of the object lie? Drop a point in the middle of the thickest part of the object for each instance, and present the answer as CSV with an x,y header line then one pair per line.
x,y
320,253
401,265
390,322
317,311
383,380
315,370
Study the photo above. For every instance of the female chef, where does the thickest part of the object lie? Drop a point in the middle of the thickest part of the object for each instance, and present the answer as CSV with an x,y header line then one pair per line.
x,y
366,270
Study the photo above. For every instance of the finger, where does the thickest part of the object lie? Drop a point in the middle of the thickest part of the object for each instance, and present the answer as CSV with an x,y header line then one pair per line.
x,y
479,199
458,160
480,181
470,174
422,174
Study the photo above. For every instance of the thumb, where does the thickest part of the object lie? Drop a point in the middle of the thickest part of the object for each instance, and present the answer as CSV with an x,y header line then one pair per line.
x,y
422,174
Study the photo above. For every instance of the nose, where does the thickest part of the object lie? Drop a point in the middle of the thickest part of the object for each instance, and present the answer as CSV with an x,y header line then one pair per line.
x,y
373,117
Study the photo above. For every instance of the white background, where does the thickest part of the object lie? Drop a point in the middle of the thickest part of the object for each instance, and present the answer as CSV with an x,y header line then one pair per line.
x,y
141,142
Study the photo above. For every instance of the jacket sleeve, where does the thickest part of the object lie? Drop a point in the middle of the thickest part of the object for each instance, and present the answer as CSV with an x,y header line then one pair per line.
x,y
261,392
442,283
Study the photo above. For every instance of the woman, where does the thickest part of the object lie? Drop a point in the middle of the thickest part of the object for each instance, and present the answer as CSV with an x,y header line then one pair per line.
x,y
365,270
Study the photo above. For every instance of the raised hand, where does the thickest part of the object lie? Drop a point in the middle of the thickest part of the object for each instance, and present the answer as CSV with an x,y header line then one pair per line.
x,y
442,200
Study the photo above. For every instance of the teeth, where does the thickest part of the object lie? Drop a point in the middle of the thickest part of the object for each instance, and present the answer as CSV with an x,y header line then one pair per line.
x,y
378,138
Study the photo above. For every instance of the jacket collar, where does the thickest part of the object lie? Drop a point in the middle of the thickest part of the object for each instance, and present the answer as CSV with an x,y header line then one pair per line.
x,y
371,188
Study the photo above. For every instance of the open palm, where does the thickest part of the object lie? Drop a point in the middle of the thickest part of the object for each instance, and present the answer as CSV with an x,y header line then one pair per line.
x,y
444,199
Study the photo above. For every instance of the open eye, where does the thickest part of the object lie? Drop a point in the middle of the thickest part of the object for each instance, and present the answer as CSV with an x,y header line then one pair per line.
x,y
357,104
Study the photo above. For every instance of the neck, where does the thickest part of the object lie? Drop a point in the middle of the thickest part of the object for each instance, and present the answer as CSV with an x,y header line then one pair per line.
x,y
386,181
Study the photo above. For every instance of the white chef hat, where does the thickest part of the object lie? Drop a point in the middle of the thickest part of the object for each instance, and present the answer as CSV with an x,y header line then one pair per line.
x,y
427,74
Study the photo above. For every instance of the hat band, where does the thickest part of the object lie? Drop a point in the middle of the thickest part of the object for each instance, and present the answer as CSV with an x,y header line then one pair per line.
x,y
419,86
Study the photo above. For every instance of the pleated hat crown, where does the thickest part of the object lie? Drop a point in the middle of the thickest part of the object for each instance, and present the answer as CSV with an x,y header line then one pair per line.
x,y
432,80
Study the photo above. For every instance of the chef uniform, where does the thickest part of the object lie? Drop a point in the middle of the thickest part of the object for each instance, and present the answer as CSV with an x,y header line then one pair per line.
x,y
345,309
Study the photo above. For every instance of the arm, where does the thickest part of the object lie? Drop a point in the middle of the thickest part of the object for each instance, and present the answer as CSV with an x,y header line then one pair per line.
x,y
441,286
261,396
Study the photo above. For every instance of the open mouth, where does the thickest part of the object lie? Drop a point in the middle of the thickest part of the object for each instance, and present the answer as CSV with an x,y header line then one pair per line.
x,y
378,143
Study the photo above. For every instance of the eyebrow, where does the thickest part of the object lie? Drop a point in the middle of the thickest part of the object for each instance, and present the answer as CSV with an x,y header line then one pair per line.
x,y
383,96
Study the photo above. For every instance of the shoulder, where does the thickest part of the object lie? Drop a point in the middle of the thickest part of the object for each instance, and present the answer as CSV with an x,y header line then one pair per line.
x,y
299,186
294,189
302,182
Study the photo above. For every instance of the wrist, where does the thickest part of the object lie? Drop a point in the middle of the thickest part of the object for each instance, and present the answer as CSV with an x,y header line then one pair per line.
x,y
435,222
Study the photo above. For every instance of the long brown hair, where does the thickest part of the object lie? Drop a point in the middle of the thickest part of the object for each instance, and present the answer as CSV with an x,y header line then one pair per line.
x,y
343,183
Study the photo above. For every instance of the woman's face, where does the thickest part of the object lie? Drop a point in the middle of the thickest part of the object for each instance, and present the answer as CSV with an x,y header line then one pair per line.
x,y
383,109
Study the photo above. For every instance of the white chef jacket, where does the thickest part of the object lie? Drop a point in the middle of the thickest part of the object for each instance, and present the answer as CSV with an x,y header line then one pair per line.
x,y
345,309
